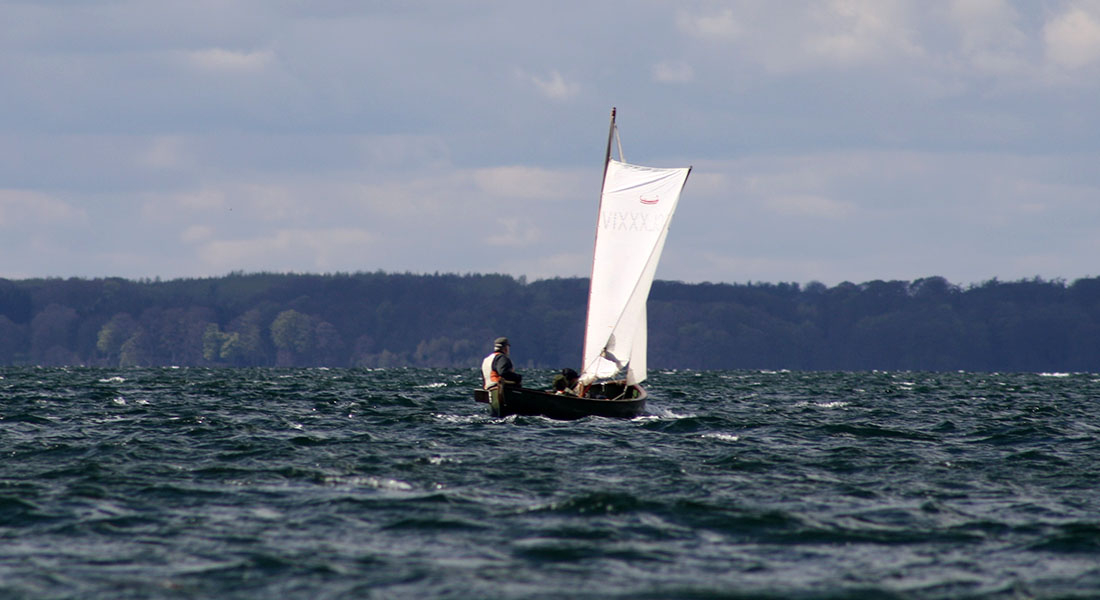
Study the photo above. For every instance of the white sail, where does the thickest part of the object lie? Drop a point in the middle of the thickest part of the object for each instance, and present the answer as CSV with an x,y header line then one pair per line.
x,y
635,211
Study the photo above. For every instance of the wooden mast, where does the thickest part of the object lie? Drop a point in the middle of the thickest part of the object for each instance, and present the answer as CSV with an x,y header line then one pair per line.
x,y
607,157
603,181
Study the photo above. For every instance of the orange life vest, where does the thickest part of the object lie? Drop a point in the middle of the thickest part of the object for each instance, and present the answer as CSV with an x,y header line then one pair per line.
x,y
490,376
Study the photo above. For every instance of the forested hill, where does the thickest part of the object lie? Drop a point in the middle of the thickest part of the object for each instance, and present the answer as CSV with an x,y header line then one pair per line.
x,y
387,320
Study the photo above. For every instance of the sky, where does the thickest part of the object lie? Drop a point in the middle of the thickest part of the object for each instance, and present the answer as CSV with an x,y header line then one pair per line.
x,y
831,141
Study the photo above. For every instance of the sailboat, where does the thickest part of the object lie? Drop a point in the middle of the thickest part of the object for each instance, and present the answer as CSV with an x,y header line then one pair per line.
x,y
636,207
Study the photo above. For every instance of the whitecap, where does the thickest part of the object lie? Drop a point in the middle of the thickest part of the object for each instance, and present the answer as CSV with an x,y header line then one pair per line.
x,y
267,514
725,437
666,414
432,385
380,483
1055,374
115,379
119,400
462,419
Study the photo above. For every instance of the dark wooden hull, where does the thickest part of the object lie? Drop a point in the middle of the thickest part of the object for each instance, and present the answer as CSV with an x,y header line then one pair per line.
x,y
614,402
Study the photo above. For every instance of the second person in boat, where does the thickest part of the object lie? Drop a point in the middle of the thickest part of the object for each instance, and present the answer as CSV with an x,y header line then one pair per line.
x,y
566,382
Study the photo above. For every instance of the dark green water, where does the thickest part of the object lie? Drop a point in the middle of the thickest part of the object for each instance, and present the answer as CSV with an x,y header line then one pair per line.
x,y
201,483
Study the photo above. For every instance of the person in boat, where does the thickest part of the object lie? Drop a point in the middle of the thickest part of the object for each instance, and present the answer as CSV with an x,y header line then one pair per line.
x,y
497,368
566,382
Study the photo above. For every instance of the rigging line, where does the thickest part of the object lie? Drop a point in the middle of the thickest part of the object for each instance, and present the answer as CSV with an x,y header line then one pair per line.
x,y
619,141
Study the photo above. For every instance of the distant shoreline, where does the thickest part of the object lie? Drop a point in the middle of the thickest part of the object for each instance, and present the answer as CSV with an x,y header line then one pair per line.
x,y
448,320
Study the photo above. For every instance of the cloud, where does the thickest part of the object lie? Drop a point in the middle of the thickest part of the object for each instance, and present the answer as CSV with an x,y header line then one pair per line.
x,y
729,267
793,37
555,86
981,15
203,200
220,59
242,198
513,232
527,182
989,34
1072,38
888,214
563,264
851,32
808,205
287,250
408,151
814,127
673,72
22,207
722,26
197,233
166,152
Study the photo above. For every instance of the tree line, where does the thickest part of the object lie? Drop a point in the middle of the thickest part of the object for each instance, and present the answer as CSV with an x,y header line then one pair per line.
x,y
392,320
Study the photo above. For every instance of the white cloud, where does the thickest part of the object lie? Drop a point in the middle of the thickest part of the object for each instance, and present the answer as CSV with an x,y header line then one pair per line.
x,y
565,264
730,267
196,233
790,37
851,32
206,199
555,86
1072,38
814,126
388,152
513,232
527,182
808,205
21,207
166,152
220,59
428,196
256,202
673,72
171,207
722,26
989,32
287,249
274,201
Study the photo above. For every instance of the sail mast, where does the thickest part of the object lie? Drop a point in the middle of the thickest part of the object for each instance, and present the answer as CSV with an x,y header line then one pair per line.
x,y
607,157
595,240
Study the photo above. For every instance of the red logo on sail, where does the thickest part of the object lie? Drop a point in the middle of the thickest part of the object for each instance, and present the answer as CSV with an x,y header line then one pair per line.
x,y
653,200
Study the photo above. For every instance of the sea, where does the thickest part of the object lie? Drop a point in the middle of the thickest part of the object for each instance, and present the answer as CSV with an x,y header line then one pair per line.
x,y
394,483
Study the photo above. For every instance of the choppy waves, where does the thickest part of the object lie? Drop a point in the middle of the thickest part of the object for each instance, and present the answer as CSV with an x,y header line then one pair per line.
x,y
180,483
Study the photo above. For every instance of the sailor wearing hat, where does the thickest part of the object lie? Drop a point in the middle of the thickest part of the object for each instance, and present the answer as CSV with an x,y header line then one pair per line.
x,y
497,369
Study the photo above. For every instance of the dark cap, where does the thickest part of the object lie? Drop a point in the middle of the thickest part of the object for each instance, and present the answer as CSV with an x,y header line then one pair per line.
x,y
570,374
500,342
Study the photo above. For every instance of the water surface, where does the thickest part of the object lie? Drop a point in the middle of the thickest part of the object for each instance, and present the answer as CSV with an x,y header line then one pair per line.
x,y
184,483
